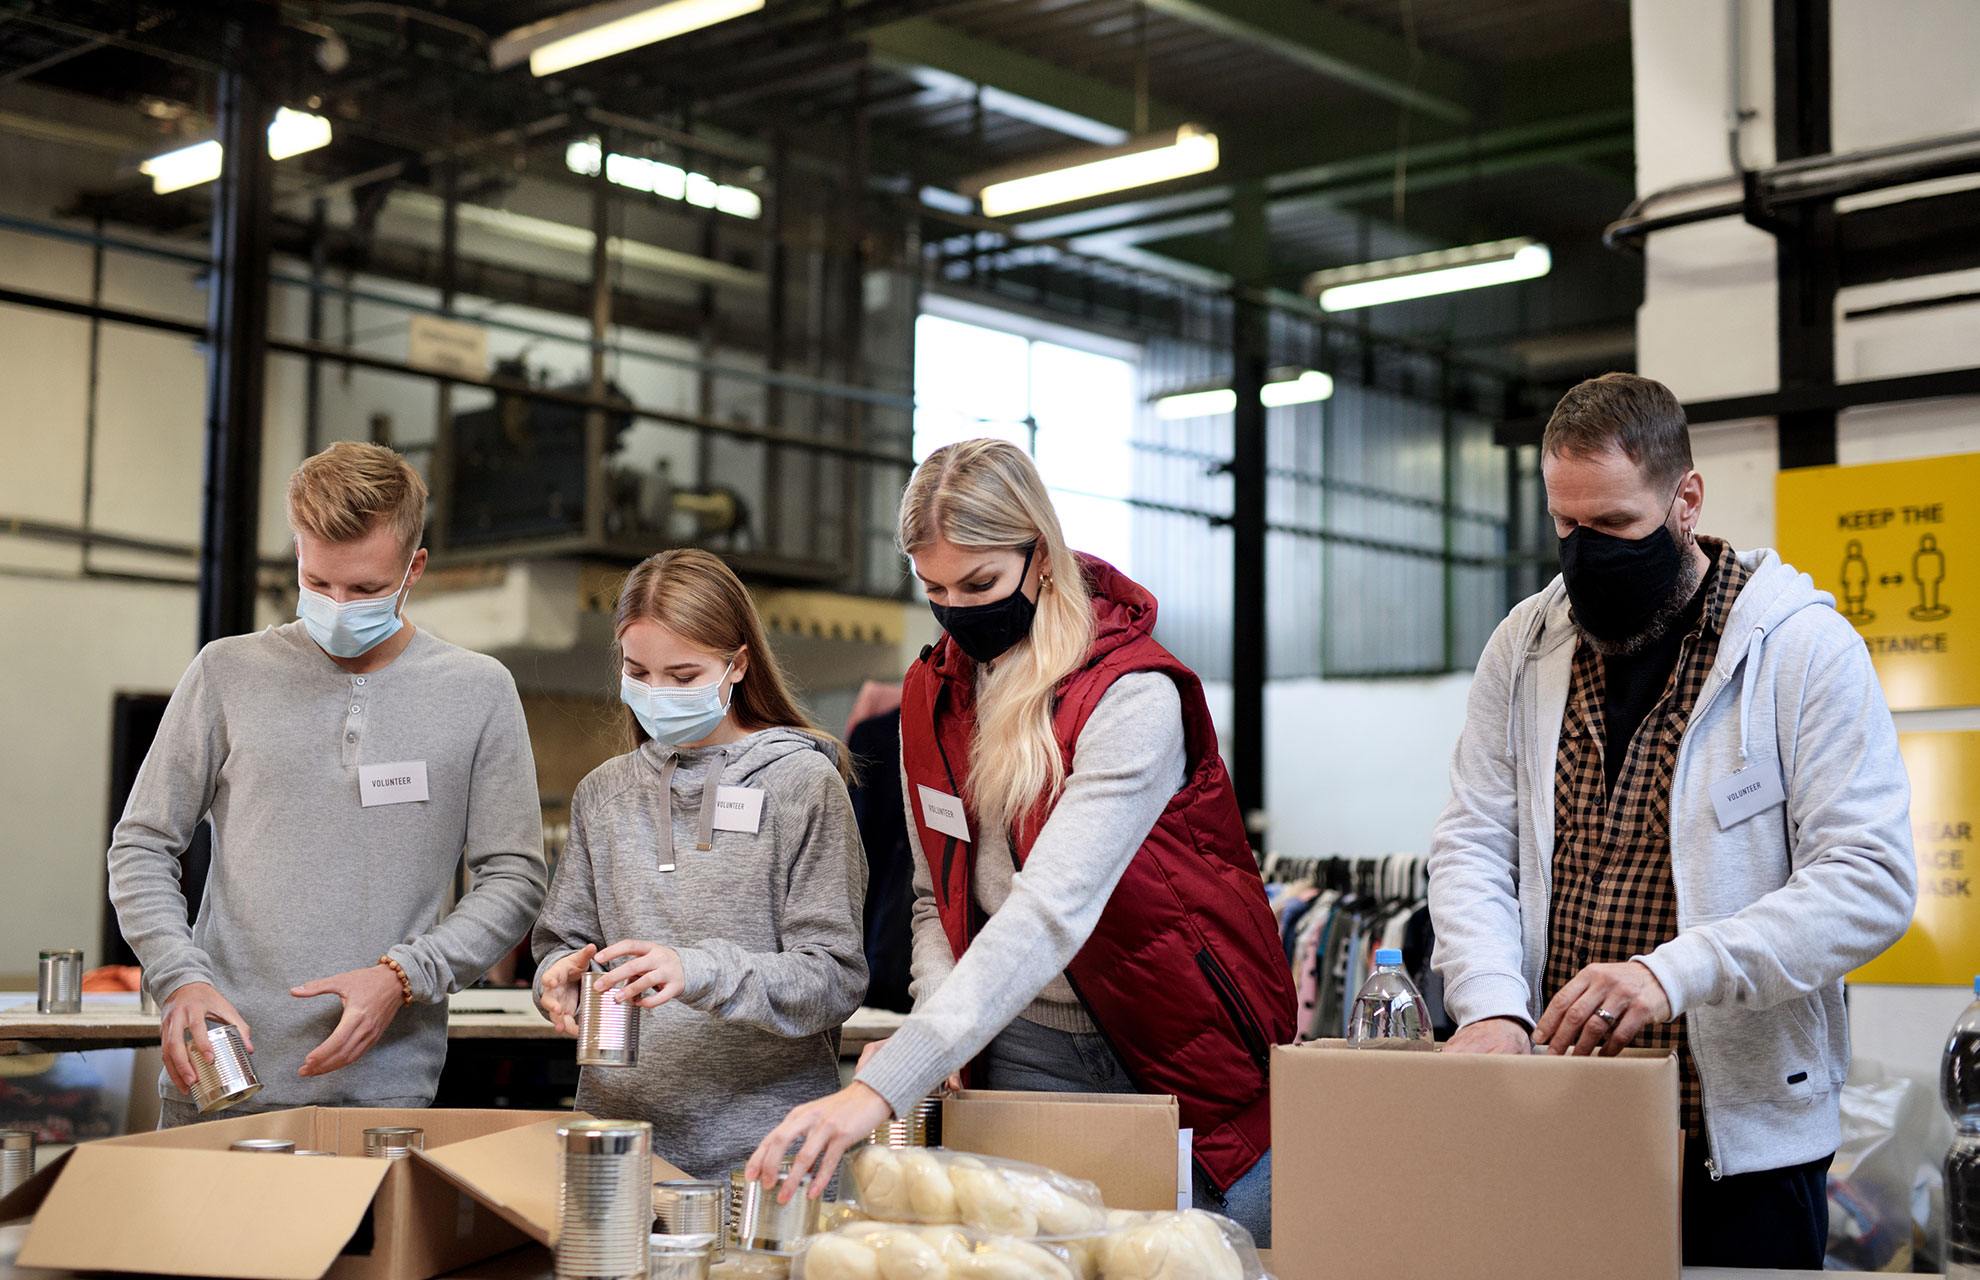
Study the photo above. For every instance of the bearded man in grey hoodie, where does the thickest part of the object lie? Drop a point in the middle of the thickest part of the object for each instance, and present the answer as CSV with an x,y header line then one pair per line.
x,y
1678,817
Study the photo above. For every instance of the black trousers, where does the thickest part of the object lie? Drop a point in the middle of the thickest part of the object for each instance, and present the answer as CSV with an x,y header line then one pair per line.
x,y
1777,1219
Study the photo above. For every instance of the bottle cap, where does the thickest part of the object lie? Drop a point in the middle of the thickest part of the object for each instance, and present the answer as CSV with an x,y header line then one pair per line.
x,y
1976,984
1389,955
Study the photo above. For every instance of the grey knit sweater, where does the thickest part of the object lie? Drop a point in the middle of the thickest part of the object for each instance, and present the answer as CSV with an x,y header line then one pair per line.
x,y
767,926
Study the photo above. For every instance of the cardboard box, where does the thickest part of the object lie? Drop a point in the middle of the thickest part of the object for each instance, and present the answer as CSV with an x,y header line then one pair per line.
x,y
1124,1142
178,1202
1419,1165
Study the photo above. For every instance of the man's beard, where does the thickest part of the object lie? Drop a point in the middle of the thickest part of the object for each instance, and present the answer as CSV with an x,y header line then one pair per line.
x,y
1667,615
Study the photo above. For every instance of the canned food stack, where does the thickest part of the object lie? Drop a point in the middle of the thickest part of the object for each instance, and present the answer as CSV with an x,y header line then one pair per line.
x,y
674,1256
920,1127
230,1077
60,982
393,1142
757,1222
608,1031
689,1208
16,1158
265,1146
605,1205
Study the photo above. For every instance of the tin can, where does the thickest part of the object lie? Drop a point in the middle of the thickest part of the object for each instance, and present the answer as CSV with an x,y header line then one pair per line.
x,y
605,1201
265,1146
608,1031
757,1222
920,1127
691,1208
393,1141
147,1002
230,1077
677,1256
60,989
16,1158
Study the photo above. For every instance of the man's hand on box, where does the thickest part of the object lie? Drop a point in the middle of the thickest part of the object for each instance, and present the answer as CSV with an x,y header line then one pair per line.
x,y
371,998
1491,1035
1605,1007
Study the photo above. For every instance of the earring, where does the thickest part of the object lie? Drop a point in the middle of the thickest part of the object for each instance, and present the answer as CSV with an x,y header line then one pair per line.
x,y
1045,580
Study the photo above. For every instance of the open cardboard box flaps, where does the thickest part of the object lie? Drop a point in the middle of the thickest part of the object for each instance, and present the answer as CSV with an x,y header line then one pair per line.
x,y
178,1202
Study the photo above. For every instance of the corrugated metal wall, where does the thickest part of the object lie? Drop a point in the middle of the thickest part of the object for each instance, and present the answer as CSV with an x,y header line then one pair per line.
x,y
1390,550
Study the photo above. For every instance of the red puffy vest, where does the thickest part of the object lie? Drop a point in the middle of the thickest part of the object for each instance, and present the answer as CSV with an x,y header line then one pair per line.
x,y
1185,972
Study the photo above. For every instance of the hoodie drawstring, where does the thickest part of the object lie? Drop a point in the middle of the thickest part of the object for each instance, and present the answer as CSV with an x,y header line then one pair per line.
x,y
667,790
1746,686
710,788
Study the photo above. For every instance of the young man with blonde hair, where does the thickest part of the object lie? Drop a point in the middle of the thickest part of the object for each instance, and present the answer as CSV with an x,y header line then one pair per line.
x,y
348,762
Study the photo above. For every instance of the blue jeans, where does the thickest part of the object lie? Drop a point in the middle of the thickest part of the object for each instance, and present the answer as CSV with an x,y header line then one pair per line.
x,y
1027,1056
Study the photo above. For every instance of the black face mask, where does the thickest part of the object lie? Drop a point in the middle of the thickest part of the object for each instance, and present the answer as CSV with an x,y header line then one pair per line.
x,y
1618,585
986,632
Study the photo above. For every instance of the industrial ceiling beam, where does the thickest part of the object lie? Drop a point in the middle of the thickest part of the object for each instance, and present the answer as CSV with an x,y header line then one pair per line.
x,y
927,43
1340,48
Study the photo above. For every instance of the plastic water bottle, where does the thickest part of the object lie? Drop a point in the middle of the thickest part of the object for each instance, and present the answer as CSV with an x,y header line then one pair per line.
x,y
1390,1013
1959,1088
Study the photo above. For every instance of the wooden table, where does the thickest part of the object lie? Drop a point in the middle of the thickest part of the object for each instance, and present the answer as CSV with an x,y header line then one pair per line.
x,y
114,1022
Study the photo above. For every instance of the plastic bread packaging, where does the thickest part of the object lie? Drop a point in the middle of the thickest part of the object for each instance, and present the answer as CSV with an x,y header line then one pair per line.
x,y
1187,1244
934,1186
901,1251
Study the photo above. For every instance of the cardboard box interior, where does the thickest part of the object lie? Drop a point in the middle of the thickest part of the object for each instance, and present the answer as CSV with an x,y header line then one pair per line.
x,y
1428,1165
1124,1142
178,1202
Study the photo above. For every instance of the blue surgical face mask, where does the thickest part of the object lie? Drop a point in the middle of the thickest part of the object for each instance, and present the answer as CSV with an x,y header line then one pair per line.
x,y
355,627
672,717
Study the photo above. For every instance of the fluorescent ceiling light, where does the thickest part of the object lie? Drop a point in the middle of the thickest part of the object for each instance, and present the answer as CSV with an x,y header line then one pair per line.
x,y
1284,387
1425,275
637,173
602,30
1093,171
290,134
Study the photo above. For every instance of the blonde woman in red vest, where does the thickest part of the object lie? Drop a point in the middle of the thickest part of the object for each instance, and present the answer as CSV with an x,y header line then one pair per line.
x,y
1088,914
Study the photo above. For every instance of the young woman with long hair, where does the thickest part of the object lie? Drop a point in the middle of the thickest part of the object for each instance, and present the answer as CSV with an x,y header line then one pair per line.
x,y
1088,913
719,862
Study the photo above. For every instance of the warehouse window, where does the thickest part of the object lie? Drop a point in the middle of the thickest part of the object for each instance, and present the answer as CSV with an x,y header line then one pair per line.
x,y
1072,409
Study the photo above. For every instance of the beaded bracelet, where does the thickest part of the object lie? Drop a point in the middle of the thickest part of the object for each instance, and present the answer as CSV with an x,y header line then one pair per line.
x,y
405,983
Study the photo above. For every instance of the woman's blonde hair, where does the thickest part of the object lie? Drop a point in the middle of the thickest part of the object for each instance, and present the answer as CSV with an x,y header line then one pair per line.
x,y
700,599
986,494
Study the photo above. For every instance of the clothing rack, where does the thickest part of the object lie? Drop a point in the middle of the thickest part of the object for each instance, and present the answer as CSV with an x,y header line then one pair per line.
x,y
1334,912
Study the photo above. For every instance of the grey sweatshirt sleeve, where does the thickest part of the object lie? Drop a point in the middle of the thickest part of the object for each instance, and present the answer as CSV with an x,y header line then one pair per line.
x,y
818,977
1854,879
173,791
931,959
570,913
504,858
1474,850
1127,766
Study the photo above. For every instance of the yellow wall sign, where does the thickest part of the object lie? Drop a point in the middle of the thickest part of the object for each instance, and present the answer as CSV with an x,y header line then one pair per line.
x,y
1898,545
1943,944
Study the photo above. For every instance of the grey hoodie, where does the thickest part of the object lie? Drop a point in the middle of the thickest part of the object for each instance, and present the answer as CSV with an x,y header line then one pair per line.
x,y
767,926
1772,911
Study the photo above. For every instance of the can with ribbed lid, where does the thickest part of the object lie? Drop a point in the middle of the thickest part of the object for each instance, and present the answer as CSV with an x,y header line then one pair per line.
x,y
680,1255
920,1127
605,1199
265,1146
230,1077
59,989
758,1223
393,1141
16,1158
608,1030
688,1207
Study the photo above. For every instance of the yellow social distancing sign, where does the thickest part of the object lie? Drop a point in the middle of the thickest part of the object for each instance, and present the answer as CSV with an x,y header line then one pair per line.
x,y
1943,944
1898,545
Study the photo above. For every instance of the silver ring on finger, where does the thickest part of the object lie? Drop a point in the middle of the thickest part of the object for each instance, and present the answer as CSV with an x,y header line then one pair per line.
x,y
1610,1018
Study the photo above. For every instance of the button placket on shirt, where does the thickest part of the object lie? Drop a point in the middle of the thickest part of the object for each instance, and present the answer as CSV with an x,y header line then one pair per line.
x,y
353,719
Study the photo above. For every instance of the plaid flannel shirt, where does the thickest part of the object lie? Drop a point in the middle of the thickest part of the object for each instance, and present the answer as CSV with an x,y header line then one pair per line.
x,y
1613,893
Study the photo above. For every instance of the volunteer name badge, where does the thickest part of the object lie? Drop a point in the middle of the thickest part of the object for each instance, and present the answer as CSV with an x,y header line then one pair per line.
x,y
1754,789
398,783
739,809
943,813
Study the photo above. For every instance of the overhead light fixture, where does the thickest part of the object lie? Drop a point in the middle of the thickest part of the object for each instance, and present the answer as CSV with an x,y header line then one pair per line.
x,y
290,133
1093,171
1425,275
637,173
1282,387
602,30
